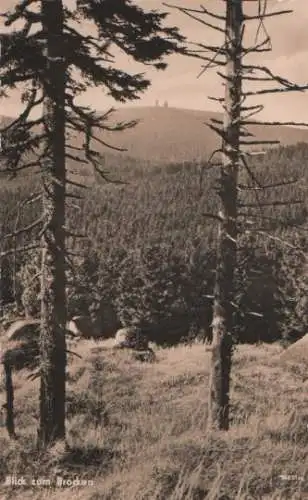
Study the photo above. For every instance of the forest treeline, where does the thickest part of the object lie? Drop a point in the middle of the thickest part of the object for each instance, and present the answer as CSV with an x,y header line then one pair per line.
x,y
149,249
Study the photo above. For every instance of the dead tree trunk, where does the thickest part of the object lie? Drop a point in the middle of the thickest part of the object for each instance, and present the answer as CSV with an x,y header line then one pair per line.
x,y
9,406
1,290
53,304
227,232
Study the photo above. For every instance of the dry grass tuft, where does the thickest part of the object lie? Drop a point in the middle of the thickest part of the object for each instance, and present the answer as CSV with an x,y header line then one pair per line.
x,y
137,431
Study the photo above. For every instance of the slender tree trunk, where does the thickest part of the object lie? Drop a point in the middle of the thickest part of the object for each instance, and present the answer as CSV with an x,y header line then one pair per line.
x,y
1,289
9,389
53,304
222,344
1,269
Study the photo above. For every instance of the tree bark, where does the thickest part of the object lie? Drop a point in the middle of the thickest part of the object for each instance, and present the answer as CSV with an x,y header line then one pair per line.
x,y
53,301
222,343
1,289
9,389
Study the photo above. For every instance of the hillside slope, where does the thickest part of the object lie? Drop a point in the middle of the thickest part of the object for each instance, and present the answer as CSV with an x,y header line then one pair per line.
x,y
174,134
138,431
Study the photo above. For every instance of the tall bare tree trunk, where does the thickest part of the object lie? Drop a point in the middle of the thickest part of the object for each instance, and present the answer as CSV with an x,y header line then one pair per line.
x,y
53,305
222,343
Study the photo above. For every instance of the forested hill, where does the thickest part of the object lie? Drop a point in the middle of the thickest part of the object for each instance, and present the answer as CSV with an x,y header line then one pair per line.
x,y
173,135
158,213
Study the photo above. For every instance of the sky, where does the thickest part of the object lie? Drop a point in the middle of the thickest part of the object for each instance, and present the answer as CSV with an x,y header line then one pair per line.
x,y
179,84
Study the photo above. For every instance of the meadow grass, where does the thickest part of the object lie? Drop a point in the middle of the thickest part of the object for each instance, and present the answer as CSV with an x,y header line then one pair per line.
x,y
138,431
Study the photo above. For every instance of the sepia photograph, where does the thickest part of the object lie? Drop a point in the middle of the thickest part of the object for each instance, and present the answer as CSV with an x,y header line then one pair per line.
x,y
154,250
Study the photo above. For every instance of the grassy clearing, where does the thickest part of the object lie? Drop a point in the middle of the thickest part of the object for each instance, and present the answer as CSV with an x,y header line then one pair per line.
x,y
138,431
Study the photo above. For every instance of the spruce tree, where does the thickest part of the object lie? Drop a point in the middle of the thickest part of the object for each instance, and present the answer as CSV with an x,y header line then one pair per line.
x,y
43,58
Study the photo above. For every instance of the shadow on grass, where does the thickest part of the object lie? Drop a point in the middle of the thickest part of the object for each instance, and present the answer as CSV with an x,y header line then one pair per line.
x,y
76,456
84,403
172,487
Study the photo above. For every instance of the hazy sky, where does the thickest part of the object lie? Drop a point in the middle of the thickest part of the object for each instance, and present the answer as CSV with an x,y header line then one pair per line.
x,y
179,84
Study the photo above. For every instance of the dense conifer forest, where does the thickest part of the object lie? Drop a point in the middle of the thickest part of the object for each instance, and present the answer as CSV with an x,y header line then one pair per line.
x,y
149,249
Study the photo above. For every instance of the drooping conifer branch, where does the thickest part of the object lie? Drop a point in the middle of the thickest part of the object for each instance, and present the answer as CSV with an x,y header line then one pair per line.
x,y
44,55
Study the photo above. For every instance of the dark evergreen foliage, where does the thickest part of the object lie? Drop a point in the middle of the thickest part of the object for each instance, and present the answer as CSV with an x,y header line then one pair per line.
x,y
140,34
159,207
44,55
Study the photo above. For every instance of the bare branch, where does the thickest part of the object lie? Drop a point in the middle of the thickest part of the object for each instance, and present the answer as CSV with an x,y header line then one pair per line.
x,y
212,216
213,61
279,123
272,204
264,46
22,118
269,14
296,88
68,232
76,184
277,78
20,11
280,240
25,229
268,186
26,248
14,170
250,172
263,142
202,10
190,13
74,196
